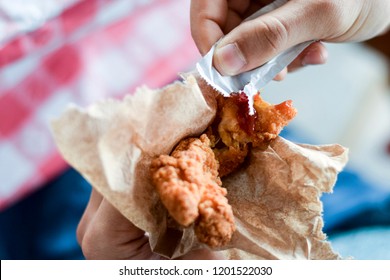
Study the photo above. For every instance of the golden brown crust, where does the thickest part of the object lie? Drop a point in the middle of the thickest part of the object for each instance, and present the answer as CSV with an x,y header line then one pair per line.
x,y
230,159
237,128
235,131
190,188
188,181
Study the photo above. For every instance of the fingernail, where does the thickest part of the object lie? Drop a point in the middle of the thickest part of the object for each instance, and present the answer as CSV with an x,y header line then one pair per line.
x,y
229,60
314,57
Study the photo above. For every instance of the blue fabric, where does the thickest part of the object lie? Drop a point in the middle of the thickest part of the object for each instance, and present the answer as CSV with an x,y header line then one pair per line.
x,y
43,226
355,203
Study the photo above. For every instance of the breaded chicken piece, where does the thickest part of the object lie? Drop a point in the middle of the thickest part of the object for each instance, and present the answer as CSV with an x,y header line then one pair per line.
x,y
237,127
190,189
234,131
230,158
188,181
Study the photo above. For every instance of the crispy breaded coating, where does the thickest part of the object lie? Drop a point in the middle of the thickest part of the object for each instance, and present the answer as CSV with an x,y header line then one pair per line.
x,y
190,189
230,158
215,225
237,128
188,181
234,131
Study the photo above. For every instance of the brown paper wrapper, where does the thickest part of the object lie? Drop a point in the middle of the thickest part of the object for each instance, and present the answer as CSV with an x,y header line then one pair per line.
x,y
274,196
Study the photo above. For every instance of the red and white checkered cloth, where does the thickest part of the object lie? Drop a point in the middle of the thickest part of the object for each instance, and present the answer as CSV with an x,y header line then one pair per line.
x,y
79,52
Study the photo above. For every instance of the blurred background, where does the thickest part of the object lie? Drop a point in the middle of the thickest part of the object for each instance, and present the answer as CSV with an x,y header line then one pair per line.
x,y
53,53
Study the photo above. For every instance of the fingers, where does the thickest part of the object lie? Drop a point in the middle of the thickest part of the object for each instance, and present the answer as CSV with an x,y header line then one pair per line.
x,y
314,54
93,204
110,223
104,233
280,76
207,17
253,43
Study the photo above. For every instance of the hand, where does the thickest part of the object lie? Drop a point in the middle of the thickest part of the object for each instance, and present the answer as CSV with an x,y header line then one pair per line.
x,y
251,44
104,233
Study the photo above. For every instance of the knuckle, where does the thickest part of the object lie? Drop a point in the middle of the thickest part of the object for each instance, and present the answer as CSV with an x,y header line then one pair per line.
x,y
87,247
98,243
273,32
328,7
90,244
329,11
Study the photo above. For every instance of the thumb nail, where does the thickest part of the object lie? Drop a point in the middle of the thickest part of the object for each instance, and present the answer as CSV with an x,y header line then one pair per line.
x,y
229,60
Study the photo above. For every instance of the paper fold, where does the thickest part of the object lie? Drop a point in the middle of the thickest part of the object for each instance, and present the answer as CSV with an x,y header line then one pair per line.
x,y
274,196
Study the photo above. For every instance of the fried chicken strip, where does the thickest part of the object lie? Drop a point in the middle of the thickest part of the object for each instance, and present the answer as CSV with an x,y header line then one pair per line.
x,y
237,127
230,158
190,189
234,131
188,181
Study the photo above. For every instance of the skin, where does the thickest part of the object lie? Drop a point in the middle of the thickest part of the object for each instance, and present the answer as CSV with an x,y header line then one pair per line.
x,y
260,39
103,233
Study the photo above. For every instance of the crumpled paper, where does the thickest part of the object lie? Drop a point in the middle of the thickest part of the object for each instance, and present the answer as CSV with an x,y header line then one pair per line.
x,y
274,196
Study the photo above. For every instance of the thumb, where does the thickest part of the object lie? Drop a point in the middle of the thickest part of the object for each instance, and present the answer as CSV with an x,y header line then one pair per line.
x,y
254,42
